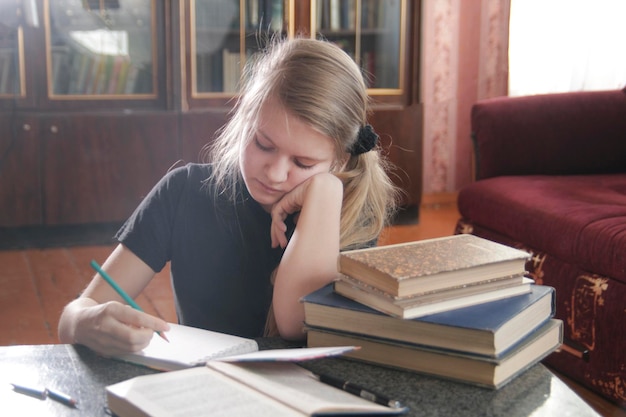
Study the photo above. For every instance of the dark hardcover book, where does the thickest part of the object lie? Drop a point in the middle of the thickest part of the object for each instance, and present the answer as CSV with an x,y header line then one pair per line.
x,y
489,329
430,265
471,369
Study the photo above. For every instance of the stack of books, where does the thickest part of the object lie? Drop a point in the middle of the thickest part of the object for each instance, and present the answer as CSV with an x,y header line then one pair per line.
x,y
457,307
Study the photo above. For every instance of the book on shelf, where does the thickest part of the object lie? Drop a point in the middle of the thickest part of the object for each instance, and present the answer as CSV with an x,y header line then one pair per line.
x,y
232,70
423,304
123,74
235,389
463,367
487,329
77,69
188,347
336,15
7,70
132,74
371,12
86,74
252,14
119,62
268,14
433,264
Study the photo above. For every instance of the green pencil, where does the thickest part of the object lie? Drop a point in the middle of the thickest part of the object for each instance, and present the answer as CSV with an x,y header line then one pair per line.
x,y
120,291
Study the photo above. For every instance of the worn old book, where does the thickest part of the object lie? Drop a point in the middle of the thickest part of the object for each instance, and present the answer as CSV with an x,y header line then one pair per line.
x,y
236,389
420,305
488,329
429,265
468,368
187,347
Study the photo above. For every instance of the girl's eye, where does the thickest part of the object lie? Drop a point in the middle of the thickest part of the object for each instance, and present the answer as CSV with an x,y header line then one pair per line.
x,y
261,146
303,166
270,148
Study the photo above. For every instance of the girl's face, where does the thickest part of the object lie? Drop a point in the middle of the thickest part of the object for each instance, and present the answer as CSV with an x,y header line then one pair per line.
x,y
283,153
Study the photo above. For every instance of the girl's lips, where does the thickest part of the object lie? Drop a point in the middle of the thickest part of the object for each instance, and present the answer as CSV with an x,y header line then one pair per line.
x,y
267,188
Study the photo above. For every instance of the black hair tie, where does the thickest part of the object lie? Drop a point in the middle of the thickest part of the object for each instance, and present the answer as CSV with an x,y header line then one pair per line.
x,y
366,140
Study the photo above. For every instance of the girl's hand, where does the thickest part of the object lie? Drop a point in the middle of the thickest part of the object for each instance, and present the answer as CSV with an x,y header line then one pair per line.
x,y
289,204
310,258
293,201
113,328
99,320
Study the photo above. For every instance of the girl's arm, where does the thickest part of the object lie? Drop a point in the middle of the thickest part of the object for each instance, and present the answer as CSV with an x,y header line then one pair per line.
x,y
310,258
100,319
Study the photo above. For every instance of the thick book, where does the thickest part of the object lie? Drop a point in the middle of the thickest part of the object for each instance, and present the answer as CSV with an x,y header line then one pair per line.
x,y
236,389
488,329
429,265
472,369
436,302
187,347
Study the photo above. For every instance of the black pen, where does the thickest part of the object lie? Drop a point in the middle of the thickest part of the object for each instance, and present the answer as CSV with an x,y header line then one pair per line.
x,y
359,391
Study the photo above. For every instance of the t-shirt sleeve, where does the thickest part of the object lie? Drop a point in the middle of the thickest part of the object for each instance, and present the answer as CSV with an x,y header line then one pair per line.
x,y
148,231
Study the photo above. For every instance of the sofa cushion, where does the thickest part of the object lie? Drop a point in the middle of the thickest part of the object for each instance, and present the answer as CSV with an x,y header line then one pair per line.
x,y
578,219
551,134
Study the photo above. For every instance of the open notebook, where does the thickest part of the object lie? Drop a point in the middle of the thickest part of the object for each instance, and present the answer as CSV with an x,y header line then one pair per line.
x,y
188,347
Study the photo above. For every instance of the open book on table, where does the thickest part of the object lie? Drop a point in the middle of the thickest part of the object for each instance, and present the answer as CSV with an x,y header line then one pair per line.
x,y
272,389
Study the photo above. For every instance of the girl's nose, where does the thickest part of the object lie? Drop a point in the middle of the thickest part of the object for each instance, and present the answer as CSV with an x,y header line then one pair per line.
x,y
278,170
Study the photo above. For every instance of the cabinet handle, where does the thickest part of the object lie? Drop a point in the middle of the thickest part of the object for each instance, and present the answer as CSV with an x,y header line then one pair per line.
x,y
26,127
54,129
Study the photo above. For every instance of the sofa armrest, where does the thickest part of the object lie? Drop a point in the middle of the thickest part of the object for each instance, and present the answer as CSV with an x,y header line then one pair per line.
x,y
550,134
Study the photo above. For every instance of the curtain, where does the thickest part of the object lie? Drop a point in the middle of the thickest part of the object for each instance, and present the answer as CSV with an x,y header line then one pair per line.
x,y
566,45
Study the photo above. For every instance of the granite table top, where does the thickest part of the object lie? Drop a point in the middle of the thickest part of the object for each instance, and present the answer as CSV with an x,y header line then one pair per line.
x,y
78,371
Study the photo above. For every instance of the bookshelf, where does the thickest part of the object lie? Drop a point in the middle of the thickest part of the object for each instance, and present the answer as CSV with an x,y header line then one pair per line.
x,y
99,98
375,33
100,49
372,32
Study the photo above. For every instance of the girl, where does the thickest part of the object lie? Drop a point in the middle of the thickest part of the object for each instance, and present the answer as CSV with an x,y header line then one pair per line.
x,y
294,176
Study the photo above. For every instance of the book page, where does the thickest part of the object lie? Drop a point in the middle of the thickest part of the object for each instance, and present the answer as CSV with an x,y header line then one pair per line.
x,y
195,391
296,387
289,354
189,346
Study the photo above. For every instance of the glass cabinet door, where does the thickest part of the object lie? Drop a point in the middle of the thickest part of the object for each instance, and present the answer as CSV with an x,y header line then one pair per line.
x,y
224,34
102,48
11,62
372,32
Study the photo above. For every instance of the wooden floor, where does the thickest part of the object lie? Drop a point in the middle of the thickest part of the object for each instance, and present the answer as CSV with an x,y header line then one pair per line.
x,y
35,284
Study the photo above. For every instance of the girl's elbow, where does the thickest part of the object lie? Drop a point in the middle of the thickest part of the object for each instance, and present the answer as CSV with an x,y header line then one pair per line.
x,y
293,335
292,330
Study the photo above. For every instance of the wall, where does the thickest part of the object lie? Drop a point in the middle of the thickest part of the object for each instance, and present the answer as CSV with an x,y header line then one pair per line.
x,y
464,59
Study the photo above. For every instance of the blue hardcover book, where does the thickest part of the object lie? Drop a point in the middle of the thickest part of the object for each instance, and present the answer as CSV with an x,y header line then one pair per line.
x,y
488,329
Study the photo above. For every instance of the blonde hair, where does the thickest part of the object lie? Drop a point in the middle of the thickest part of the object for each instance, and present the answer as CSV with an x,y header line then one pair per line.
x,y
320,84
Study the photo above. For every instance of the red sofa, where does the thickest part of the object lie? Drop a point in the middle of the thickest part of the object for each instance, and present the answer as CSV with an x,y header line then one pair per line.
x,y
551,179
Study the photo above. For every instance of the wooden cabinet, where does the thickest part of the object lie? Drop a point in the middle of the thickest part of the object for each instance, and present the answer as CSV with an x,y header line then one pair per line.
x,y
98,166
99,98
86,127
20,171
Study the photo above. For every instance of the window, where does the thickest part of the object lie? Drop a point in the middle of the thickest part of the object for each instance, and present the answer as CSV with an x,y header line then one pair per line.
x,y
566,45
